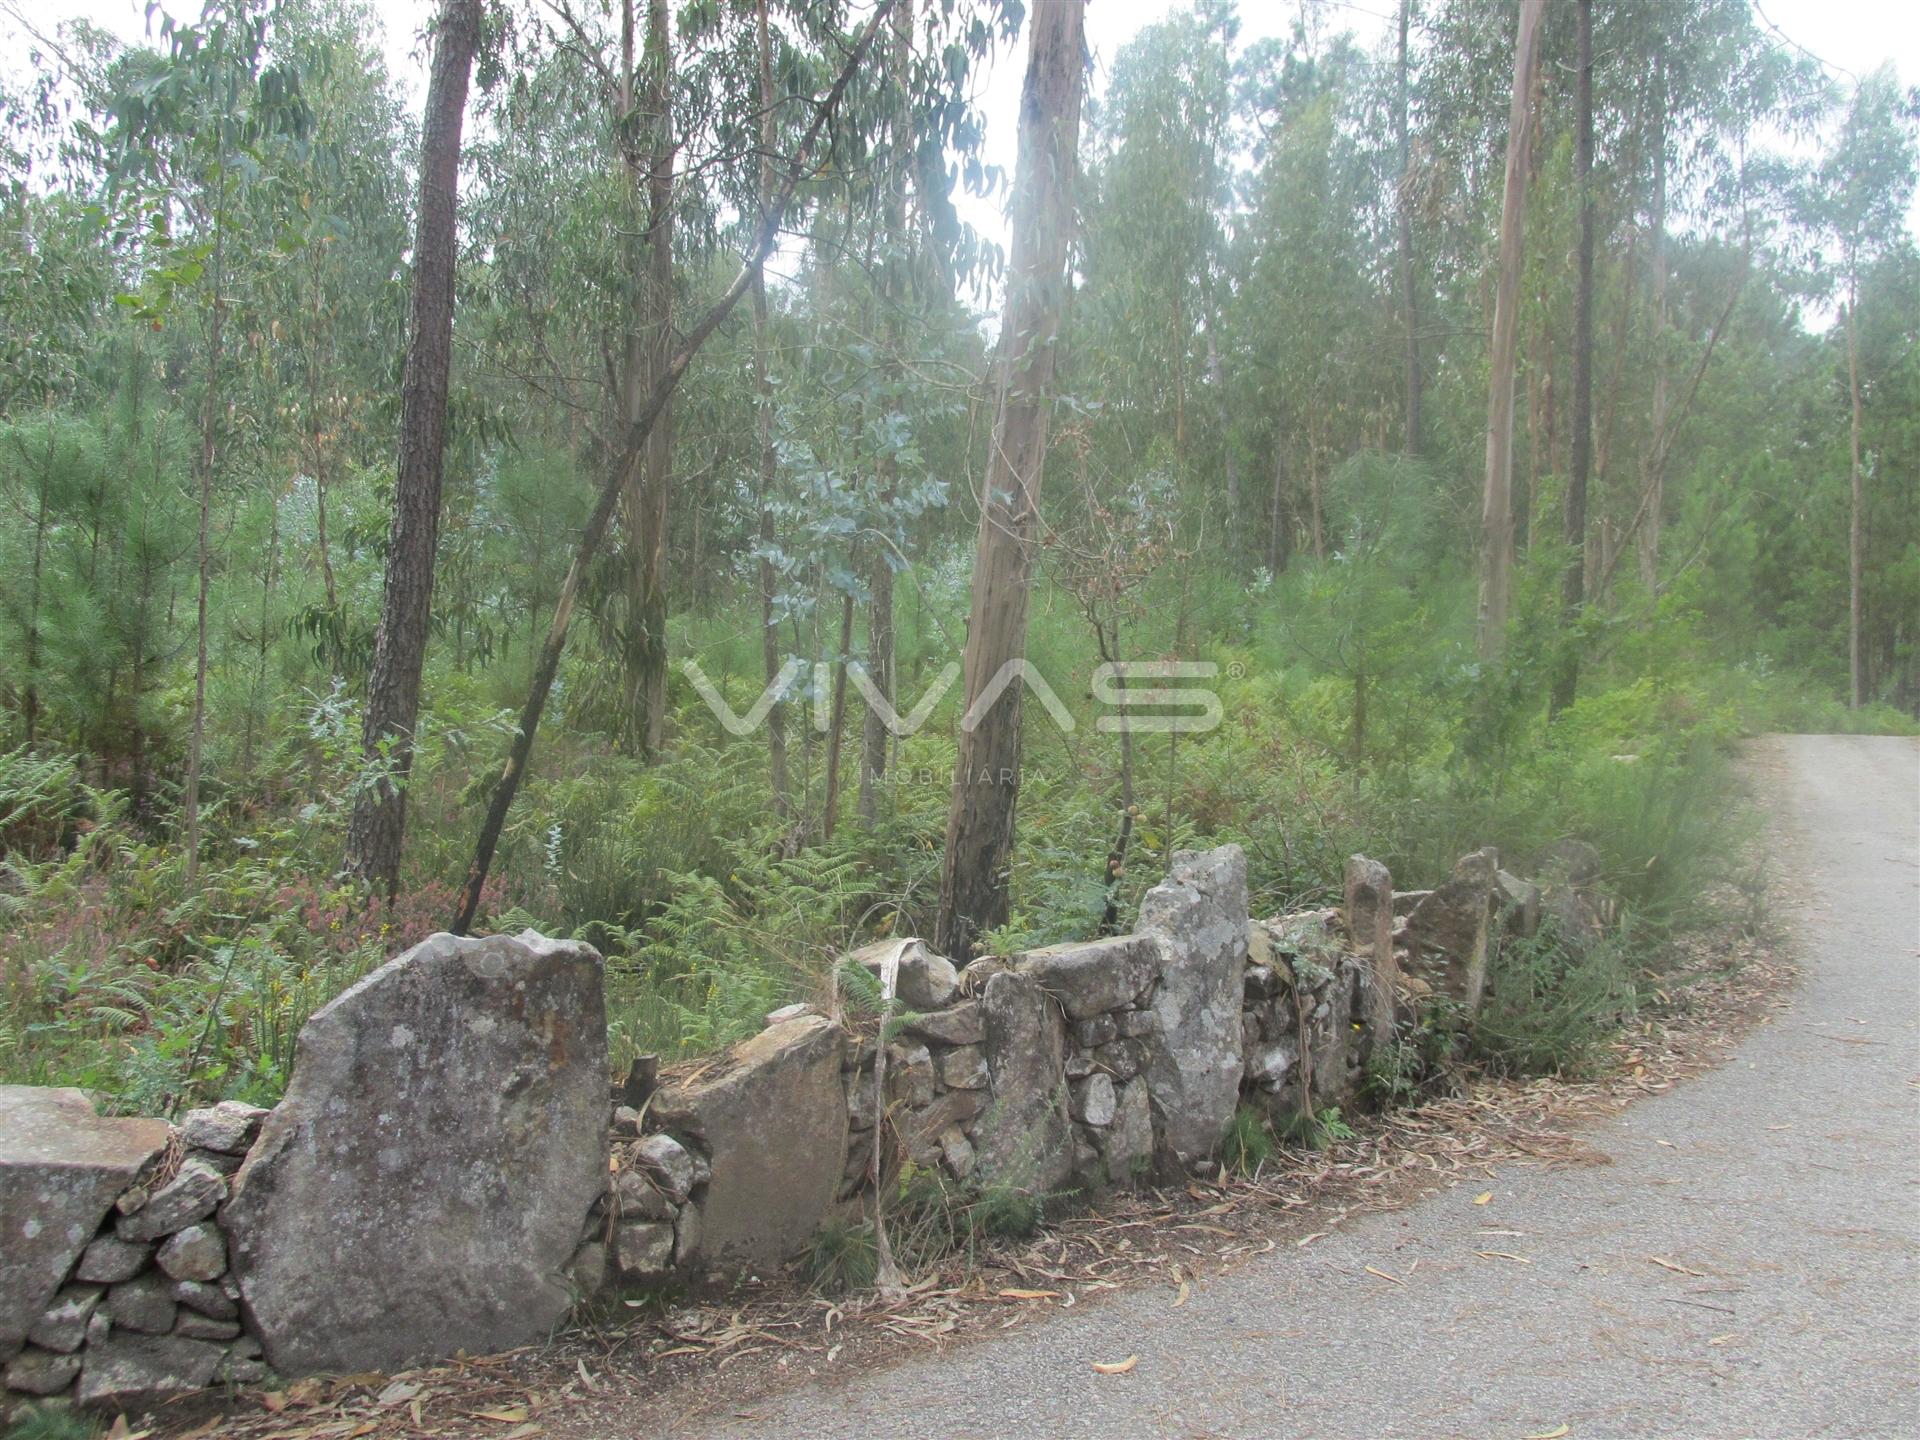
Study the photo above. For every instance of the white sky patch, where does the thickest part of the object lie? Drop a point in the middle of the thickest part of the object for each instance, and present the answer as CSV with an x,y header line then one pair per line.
x,y
1852,37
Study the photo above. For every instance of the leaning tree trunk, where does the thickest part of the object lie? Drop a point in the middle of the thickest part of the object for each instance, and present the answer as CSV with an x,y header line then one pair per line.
x,y
1496,510
379,818
979,845
547,664
1573,585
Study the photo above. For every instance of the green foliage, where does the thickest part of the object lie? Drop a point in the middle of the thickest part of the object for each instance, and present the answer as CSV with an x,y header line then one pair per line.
x,y
1230,474
841,1257
1553,1002
1249,1143
1314,1130
51,1420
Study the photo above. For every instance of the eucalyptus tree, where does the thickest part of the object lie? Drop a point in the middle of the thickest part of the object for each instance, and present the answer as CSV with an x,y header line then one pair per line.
x,y
1310,284
334,307
1156,199
1496,513
980,820
1573,590
1403,208
1859,203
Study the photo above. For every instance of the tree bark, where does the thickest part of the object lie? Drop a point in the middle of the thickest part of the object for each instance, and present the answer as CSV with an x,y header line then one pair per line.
x,y
1409,299
649,343
830,811
763,419
31,700
1573,584
875,738
1655,483
1229,458
1279,522
209,423
555,644
980,821
1496,510
378,823
1856,687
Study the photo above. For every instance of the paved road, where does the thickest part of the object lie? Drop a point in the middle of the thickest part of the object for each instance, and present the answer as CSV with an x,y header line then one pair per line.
x,y
1788,1178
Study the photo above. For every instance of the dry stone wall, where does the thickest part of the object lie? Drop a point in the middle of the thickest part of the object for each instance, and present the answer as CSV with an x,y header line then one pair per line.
x,y
447,1170
116,1288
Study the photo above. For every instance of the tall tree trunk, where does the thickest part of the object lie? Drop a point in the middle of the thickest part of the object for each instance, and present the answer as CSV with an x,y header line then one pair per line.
x,y
649,343
263,636
659,465
1316,490
378,823
1279,522
1403,212
209,425
1573,583
1655,479
763,419
547,665
979,844
830,811
31,700
1856,529
1496,508
875,737
1229,458
317,463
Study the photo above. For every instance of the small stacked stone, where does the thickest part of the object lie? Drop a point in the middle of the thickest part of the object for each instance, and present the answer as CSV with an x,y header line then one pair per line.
x,y
150,1310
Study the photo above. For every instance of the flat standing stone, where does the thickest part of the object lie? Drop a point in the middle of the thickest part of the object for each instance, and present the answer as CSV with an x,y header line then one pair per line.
x,y
1369,907
772,1115
1022,1139
1194,1070
61,1167
423,1185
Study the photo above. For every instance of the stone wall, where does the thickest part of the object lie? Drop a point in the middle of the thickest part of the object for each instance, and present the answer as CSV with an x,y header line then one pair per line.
x,y
115,1268
445,1171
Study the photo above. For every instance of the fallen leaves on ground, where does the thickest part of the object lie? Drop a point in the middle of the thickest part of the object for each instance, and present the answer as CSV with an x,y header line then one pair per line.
x,y
1677,1268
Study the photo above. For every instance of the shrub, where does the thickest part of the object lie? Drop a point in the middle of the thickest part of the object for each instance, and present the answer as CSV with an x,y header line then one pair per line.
x,y
1249,1142
1552,1003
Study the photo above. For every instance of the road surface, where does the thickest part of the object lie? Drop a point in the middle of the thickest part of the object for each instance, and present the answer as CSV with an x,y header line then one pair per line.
x,y
1788,1179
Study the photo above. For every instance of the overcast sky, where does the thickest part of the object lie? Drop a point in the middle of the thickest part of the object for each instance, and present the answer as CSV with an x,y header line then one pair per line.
x,y
1850,36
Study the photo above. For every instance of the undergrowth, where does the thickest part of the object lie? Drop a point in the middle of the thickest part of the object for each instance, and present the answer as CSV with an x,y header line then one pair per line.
x,y
713,908
929,1219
